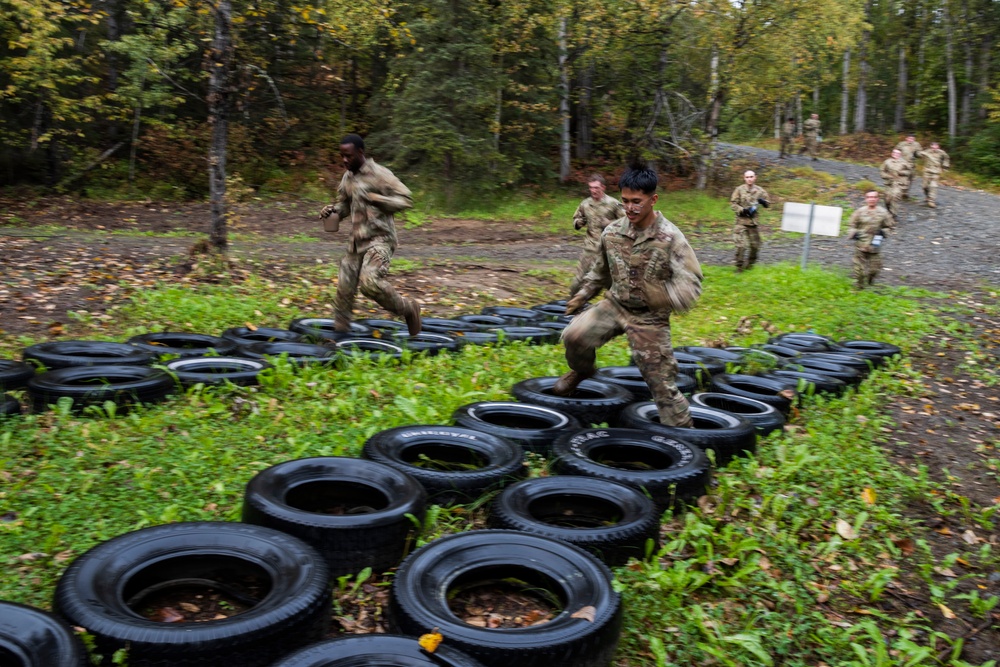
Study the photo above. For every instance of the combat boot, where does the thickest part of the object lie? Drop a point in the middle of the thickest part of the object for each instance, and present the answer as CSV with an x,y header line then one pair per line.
x,y
568,383
411,313
931,204
341,323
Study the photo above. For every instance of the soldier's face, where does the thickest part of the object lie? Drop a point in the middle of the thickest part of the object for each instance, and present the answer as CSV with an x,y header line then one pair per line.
x,y
351,157
638,206
897,154
596,190
909,140
871,199
749,178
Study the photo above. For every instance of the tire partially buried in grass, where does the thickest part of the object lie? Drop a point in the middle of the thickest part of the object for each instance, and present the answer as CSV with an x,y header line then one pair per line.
x,y
453,464
725,434
182,344
9,405
14,374
587,618
765,417
356,513
613,521
376,651
31,637
298,354
668,470
534,427
217,370
95,385
593,402
630,378
767,390
116,591
69,353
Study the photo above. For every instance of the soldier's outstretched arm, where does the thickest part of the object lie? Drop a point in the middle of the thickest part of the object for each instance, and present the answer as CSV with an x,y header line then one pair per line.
x,y
684,284
596,280
391,196
579,221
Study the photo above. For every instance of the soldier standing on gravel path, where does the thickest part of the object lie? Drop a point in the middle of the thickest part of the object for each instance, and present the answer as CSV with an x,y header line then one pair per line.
x,y
745,202
935,162
869,225
594,213
810,131
650,271
787,136
368,196
896,173
909,148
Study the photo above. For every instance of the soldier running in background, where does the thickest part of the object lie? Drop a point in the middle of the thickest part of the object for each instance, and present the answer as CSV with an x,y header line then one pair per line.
x,y
810,131
896,174
935,162
650,271
909,148
869,225
787,136
368,196
746,202
594,213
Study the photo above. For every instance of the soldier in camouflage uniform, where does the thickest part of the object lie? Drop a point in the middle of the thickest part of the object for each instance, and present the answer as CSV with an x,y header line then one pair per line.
x,y
594,213
787,137
745,202
935,162
909,148
896,173
368,196
650,271
810,130
867,223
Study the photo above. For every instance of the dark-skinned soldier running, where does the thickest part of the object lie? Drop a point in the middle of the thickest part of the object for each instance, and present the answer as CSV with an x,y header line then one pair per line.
x,y
368,196
649,271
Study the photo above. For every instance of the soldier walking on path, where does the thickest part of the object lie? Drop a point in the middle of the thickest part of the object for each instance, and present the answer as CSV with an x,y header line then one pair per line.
x,y
909,148
896,173
869,226
787,136
368,196
811,130
935,162
745,202
650,271
594,213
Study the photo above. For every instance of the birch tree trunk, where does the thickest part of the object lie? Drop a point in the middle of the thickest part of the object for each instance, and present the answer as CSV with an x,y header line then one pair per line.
x,y
564,142
949,56
845,92
584,113
861,98
968,88
707,155
901,91
220,102
777,120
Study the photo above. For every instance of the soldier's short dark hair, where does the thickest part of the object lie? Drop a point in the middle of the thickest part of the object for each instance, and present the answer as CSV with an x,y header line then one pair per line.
x,y
791,119
598,178
639,175
355,140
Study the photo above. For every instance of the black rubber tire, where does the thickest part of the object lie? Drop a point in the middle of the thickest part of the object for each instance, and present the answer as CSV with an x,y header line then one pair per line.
x,y
807,382
484,462
427,342
375,501
522,317
859,363
535,335
805,338
765,417
372,348
94,385
14,374
420,595
72,353
534,427
182,344
551,309
779,350
95,591
702,369
320,329
613,521
387,327
883,351
376,650
190,371
298,354
244,335
631,379
477,337
485,322
593,402
666,469
753,386
445,326
800,345
714,353
555,325
9,405
724,433
30,637
808,364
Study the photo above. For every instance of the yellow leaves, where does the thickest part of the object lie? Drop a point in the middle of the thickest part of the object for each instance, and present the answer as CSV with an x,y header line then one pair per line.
x,y
868,495
947,613
430,641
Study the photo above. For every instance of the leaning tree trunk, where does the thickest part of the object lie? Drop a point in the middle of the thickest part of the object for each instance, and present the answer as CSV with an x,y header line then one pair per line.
x,y
564,141
220,102
845,92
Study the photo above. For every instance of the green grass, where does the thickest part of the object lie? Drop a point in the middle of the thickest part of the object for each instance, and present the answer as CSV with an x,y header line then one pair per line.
x,y
741,579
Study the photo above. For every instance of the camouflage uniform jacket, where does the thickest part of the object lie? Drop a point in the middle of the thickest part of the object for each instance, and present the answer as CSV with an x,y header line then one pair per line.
x,y
369,198
746,196
895,171
909,150
810,128
867,223
788,129
935,161
595,216
653,268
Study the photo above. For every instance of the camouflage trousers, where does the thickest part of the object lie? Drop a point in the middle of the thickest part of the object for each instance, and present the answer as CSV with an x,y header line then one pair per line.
x,y
866,266
893,197
930,187
908,181
366,270
649,337
811,147
746,238
588,258
786,146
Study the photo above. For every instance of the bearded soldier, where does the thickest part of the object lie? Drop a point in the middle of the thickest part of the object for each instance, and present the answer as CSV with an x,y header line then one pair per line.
x,y
869,226
745,202
810,130
935,162
909,148
650,271
787,136
368,196
896,173
594,213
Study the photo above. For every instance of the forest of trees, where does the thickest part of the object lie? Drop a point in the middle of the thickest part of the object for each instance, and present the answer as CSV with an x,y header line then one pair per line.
x,y
160,94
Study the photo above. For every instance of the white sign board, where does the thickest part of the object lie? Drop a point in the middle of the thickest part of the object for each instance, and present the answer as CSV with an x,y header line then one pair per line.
x,y
826,219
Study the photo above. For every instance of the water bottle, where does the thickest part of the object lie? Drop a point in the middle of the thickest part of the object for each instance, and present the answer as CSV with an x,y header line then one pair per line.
x,y
877,241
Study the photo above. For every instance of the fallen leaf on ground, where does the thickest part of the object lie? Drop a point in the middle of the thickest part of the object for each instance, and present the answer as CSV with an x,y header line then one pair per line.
x,y
845,530
587,613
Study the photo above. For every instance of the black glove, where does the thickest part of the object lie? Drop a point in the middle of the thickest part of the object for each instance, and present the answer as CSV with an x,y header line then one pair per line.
x,y
853,237
763,202
745,213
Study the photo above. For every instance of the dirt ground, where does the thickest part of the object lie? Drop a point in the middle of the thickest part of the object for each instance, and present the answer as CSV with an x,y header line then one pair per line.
x,y
56,256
